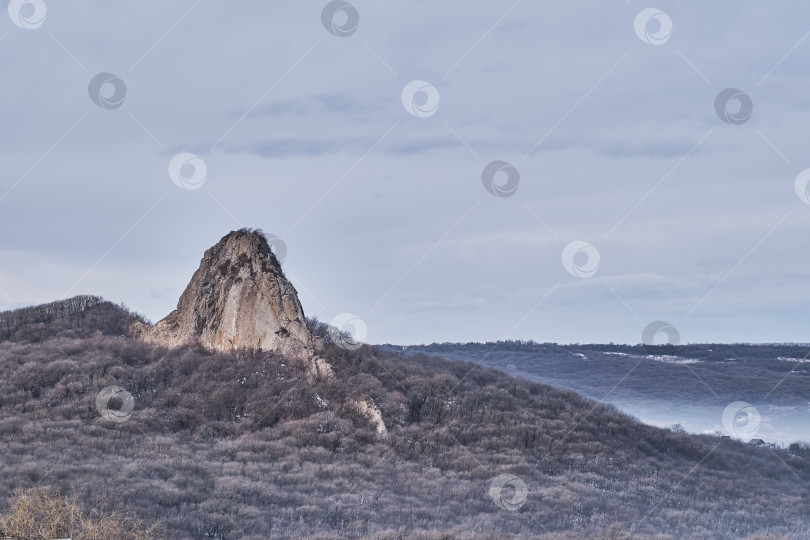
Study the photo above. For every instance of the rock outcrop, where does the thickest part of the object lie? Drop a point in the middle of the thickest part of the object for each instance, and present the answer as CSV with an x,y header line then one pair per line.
x,y
239,298
372,413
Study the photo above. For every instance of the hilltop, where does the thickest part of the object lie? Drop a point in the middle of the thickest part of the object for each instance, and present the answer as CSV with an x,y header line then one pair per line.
x,y
237,299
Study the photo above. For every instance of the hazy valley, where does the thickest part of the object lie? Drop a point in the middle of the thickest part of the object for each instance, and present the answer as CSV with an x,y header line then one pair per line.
x,y
689,385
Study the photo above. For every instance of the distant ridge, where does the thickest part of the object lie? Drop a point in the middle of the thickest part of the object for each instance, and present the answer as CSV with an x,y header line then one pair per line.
x,y
79,316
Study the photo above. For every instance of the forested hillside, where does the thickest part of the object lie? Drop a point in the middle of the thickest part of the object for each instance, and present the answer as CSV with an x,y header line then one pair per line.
x,y
707,373
245,445
80,316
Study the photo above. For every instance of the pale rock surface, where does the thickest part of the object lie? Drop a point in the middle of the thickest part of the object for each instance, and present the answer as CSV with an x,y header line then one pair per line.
x,y
370,410
239,298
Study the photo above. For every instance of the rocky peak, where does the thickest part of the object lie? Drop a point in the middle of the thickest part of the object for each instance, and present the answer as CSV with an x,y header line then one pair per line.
x,y
239,298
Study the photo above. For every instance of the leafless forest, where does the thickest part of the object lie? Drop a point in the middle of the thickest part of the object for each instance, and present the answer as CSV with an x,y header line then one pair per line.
x,y
242,445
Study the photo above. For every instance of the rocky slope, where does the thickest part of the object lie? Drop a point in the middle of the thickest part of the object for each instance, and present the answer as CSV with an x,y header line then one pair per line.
x,y
238,299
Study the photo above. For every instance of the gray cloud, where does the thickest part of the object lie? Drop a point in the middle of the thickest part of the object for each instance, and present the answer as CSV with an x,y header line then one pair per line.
x,y
333,104
384,214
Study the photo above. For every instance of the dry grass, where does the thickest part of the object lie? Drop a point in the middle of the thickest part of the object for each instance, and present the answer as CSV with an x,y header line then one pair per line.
x,y
44,514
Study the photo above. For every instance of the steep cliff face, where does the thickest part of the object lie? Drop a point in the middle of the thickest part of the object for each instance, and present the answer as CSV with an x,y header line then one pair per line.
x,y
239,298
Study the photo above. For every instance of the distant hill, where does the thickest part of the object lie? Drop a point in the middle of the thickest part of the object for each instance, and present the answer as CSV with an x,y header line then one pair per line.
x,y
244,445
80,316
686,384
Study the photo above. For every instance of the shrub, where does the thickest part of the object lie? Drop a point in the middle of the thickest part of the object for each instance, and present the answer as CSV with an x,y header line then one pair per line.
x,y
44,514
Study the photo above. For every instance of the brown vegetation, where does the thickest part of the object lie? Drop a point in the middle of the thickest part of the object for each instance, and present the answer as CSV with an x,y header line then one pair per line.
x,y
44,514
243,446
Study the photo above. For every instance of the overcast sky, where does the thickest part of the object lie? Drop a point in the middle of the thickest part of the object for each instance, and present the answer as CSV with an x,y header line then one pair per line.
x,y
605,118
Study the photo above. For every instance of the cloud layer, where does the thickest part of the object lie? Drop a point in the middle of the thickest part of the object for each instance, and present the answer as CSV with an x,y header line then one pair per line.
x,y
611,123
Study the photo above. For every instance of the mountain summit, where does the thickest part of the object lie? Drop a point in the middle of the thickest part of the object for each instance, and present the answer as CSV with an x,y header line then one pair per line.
x,y
237,299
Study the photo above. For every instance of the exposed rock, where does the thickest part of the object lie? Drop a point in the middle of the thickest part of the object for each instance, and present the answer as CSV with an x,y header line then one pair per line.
x,y
370,410
239,298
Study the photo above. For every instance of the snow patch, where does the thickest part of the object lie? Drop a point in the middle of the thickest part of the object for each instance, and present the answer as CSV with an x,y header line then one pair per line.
x,y
799,360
